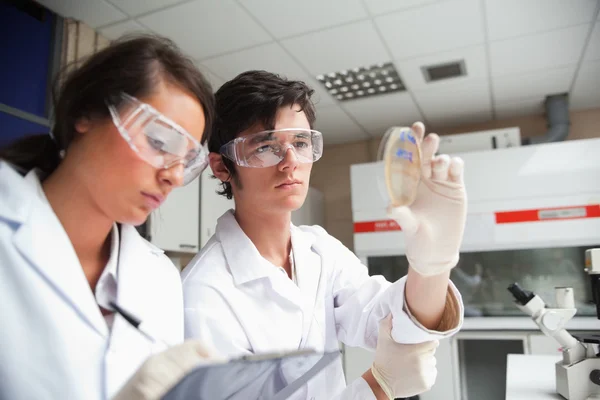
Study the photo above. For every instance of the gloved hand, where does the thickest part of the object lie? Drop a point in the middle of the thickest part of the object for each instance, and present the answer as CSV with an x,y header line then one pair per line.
x,y
160,372
434,223
403,370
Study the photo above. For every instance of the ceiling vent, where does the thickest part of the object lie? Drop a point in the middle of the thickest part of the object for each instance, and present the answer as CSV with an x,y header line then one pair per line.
x,y
433,73
362,82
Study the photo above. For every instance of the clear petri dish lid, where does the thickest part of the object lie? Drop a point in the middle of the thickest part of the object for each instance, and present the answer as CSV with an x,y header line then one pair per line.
x,y
400,155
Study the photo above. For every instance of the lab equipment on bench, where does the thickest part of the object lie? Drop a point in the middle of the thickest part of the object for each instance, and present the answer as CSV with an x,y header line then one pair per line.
x,y
400,152
578,373
252,377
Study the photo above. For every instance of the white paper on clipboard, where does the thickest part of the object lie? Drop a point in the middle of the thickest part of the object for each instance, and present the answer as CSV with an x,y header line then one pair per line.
x,y
255,378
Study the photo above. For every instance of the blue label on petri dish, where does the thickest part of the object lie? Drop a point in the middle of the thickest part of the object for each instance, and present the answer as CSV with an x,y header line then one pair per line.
x,y
406,136
405,154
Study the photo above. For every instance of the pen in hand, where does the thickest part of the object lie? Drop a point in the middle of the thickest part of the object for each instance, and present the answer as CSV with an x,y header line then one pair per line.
x,y
137,324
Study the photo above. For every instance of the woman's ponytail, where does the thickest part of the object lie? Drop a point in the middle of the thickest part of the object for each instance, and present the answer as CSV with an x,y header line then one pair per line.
x,y
36,151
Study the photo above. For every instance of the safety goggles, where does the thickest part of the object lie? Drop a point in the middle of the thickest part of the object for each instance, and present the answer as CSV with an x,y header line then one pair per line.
x,y
156,139
268,148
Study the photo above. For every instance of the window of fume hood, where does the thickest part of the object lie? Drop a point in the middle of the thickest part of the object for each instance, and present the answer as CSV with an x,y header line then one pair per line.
x,y
483,277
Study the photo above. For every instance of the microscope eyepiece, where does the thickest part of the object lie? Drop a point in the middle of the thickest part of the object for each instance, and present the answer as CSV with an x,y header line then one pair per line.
x,y
521,296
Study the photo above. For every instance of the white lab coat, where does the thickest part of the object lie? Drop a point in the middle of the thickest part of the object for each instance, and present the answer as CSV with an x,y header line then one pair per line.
x,y
243,304
54,342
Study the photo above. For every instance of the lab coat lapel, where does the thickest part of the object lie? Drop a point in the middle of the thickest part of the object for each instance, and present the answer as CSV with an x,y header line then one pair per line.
x,y
44,242
136,256
246,263
308,272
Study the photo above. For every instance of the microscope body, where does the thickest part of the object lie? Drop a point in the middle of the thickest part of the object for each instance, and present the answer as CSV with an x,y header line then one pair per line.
x,y
578,373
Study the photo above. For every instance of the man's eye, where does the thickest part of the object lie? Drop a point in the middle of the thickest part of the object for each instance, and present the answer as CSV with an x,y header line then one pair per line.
x,y
264,148
156,144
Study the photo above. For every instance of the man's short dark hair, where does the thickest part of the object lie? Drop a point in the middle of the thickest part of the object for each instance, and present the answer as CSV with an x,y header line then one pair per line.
x,y
253,99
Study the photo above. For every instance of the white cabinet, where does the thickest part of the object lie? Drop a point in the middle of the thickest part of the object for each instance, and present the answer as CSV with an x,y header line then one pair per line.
x,y
212,205
175,225
541,344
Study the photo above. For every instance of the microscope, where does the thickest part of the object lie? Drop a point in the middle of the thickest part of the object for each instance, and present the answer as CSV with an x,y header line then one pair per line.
x,y
578,373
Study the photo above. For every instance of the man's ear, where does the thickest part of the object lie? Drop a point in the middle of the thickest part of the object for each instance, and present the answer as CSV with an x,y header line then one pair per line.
x,y
83,125
218,167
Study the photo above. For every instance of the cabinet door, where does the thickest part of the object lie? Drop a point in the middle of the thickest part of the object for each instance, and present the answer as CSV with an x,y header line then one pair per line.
x,y
542,344
212,205
175,224
443,388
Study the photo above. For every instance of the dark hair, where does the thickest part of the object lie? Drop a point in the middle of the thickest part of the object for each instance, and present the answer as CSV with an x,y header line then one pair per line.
x,y
133,65
250,99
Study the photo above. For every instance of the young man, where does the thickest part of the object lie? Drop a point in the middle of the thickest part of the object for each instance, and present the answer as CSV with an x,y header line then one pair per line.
x,y
262,284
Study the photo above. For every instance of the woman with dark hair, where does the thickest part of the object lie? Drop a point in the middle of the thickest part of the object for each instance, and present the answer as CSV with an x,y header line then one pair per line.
x,y
129,127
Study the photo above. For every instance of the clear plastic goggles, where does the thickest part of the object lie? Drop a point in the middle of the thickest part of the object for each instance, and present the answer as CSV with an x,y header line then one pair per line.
x,y
268,148
156,139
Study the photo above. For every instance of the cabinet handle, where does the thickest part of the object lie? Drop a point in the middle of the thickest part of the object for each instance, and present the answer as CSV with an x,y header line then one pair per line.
x,y
187,246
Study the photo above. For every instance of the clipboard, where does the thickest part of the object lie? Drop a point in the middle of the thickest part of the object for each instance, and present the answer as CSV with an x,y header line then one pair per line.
x,y
253,377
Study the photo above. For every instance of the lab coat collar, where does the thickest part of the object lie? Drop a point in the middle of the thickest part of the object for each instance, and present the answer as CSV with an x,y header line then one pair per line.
x,y
136,256
246,264
16,194
309,267
242,256
42,239
113,261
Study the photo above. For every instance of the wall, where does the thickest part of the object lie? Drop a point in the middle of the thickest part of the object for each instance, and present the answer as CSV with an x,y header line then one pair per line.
x,y
331,174
79,42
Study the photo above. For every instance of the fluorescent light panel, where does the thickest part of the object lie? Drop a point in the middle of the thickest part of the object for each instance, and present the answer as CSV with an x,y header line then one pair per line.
x,y
362,82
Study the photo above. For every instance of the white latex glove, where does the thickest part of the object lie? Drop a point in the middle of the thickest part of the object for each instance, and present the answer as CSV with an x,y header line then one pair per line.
x,y
403,370
160,372
434,224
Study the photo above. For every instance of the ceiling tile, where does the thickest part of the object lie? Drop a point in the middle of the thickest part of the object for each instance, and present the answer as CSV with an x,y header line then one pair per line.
x,y
521,108
304,16
445,106
93,12
376,114
438,27
475,63
340,48
377,7
270,57
586,92
593,47
119,29
137,7
513,18
215,81
537,84
337,127
538,52
199,29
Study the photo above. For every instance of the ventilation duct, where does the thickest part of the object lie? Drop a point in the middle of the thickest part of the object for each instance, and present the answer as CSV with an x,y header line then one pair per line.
x,y
433,73
557,115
